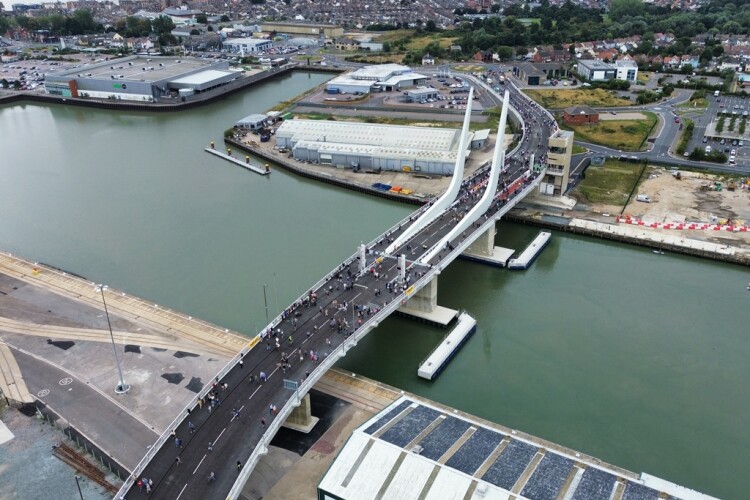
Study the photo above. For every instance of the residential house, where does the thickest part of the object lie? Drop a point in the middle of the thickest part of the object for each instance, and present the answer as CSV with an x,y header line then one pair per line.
x,y
346,43
428,60
483,56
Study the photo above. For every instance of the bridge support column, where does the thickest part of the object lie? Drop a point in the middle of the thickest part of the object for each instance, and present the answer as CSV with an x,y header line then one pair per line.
x,y
301,419
484,250
423,306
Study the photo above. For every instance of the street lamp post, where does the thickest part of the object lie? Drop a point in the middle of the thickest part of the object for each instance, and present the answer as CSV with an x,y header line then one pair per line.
x,y
122,387
79,486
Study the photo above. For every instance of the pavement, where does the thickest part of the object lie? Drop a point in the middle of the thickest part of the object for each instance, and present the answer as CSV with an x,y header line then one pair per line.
x,y
28,468
53,327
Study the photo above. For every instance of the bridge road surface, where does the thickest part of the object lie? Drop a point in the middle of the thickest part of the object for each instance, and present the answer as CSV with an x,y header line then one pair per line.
x,y
234,439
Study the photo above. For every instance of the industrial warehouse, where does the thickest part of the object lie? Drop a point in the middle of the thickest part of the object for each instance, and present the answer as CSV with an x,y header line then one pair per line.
x,y
373,146
382,77
414,450
137,78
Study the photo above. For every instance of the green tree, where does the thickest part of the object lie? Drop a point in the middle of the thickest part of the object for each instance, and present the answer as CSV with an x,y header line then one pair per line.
x,y
386,47
495,8
430,26
162,25
224,18
194,32
625,9
201,19
4,24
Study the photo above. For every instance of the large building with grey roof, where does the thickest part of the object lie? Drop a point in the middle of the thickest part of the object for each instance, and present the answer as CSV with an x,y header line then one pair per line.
x,y
379,77
138,78
371,146
414,450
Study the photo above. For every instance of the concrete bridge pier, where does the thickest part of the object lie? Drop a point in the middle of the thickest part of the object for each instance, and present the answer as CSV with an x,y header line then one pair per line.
x,y
423,306
301,419
483,249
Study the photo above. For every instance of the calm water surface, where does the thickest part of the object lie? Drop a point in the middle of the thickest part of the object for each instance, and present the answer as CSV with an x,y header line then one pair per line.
x,y
636,358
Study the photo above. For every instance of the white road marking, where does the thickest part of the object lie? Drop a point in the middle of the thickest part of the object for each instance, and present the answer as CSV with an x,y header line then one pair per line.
x,y
182,490
199,464
253,394
217,439
362,286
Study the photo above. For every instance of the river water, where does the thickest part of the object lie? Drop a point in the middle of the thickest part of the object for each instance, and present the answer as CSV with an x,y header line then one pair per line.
x,y
638,359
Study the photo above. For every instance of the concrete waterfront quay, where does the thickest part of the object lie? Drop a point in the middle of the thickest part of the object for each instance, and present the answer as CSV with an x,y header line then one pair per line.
x,y
57,352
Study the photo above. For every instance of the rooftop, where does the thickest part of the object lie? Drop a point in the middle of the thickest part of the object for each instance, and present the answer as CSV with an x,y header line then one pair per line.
x,y
593,64
202,77
371,134
581,109
379,71
132,68
415,450
246,41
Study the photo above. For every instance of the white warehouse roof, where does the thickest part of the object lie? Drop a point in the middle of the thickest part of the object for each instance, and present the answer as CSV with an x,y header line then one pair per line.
x,y
379,71
203,77
371,134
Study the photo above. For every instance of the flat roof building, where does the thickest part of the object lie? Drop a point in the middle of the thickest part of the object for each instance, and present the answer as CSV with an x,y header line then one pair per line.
x,y
421,94
247,45
596,70
377,77
139,78
371,146
253,122
327,30
626,70
416,450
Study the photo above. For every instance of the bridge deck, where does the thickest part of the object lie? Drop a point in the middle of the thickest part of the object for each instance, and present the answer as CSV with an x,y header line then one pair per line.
x,y
346,308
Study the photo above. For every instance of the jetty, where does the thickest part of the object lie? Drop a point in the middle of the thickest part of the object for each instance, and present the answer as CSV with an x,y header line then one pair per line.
x,y
451,343
244,164
531,252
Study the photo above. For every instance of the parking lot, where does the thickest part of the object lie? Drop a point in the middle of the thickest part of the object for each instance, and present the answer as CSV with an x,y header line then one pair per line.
x,y
732,141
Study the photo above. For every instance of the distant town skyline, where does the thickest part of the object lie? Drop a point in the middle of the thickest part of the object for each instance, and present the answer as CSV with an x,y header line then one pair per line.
x,y
9,3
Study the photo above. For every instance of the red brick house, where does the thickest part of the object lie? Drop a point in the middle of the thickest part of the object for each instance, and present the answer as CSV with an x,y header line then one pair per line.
x,y
580,115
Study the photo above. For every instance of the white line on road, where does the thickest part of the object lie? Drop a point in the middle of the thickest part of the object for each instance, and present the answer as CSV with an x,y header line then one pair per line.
x,y
183,489
256,390
355,297
217,439
362,286
199,464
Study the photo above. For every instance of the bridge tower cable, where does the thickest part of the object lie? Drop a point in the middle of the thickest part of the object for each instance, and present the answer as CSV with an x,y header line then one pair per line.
x,y
447,199
498,164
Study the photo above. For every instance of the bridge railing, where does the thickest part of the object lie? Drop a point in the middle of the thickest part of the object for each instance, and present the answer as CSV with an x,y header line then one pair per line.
x,y
182,415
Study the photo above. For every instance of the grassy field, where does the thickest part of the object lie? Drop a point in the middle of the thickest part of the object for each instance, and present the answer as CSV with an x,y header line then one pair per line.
x,y
626,135
610,183
376,58
644,76
564,98
578,149
469,68
421,42
697,103
304,59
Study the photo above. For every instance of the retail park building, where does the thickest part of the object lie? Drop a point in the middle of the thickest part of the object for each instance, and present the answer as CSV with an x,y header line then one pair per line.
x,y
138,78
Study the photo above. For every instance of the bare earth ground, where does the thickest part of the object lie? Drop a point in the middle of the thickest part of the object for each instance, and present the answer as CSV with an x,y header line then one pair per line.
x,y
683,200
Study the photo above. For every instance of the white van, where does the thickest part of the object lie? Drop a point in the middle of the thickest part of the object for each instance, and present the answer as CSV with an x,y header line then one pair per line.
x,y
708,149
644,198
716,93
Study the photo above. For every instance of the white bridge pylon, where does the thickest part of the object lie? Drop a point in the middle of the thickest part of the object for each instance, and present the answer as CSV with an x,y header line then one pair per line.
x,y
445,201
498,164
